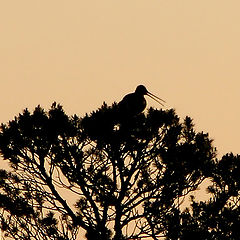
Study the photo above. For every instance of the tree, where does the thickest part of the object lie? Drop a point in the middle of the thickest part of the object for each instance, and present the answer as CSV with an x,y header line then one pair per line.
x,y
218,218
126,175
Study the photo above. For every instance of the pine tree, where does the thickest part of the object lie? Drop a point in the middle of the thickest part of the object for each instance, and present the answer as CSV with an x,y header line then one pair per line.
x,y
125,175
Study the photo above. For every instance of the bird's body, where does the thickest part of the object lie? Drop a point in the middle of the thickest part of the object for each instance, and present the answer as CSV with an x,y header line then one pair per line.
x,y
134,103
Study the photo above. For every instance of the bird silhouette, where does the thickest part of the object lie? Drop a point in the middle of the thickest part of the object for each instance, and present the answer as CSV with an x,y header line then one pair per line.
x,y
134,103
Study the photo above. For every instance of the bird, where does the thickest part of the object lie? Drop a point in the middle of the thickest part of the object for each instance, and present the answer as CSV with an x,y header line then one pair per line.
x,y
134,103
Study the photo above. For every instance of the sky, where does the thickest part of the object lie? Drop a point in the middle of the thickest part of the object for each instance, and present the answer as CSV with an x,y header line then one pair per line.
x,y
81,53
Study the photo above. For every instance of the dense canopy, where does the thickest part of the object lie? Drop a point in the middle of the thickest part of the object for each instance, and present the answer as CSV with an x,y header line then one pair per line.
x,y
109,176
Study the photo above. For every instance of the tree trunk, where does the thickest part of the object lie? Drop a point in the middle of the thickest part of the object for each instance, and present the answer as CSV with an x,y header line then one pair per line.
x,y
118,230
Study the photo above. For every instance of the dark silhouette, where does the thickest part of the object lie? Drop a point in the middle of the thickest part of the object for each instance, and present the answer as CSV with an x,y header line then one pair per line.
x,y
69,175
134,103
218,218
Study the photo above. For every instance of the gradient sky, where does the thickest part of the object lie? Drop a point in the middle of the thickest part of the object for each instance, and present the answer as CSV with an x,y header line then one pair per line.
x,y
81,53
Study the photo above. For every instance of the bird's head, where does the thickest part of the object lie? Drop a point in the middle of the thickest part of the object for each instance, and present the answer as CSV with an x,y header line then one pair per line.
x,y
141,90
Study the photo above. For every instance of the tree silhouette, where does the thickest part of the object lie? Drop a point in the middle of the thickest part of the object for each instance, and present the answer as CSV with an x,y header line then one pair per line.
x,y
112,176
218,218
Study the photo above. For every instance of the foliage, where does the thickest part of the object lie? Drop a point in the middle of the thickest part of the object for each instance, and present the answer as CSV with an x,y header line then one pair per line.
x,y
111,176
218,218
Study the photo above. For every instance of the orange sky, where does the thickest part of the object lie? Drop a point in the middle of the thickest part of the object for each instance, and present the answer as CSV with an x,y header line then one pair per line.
x,y
81,53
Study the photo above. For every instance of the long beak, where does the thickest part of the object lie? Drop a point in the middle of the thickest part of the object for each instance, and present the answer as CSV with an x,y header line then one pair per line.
x,y
157,99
